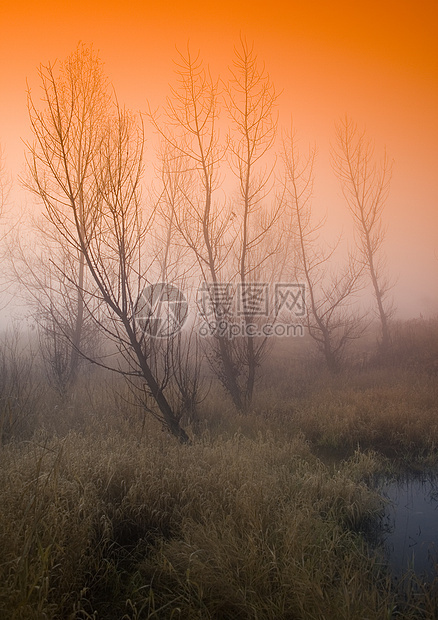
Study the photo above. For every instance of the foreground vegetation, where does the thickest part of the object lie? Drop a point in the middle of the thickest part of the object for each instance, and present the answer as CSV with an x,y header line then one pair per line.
x,y
264,515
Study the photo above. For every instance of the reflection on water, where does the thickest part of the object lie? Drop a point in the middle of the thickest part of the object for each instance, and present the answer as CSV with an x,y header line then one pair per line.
x,y
411,525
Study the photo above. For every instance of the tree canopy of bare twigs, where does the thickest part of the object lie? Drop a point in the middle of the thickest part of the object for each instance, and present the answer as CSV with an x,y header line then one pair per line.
x,y
365,185
330,320
86,166
223,223
67,131
232,237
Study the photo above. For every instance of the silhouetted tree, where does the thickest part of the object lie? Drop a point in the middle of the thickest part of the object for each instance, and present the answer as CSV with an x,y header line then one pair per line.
x,y
365,185
86,165
68,131
329,318
231,239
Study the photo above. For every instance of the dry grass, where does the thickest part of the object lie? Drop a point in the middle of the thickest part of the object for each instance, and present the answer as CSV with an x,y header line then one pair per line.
x,y
234,528
105,516
399,418
105,527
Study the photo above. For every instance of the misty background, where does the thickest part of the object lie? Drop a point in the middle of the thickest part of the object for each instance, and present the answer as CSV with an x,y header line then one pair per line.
x,y
375,64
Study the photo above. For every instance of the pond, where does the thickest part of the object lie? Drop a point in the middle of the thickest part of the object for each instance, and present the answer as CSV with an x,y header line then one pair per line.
x,y
410,525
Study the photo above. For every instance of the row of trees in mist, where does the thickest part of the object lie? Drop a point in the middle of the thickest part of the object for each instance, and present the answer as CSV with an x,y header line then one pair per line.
x,y
224,198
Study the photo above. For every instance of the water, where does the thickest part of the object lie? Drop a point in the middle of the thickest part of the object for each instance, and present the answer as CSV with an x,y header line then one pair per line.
x,y
411,526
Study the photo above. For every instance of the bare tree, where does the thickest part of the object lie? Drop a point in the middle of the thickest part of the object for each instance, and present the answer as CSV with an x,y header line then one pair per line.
x,y
228,238
251,101
87,165
329,318
21,390
185,352
47,271
365,185
61,163
193,156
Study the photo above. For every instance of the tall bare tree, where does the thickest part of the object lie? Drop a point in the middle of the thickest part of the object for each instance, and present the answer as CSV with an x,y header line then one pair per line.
x,y
329,294
193,157
251,104
61,164
365,185
86,165
228,237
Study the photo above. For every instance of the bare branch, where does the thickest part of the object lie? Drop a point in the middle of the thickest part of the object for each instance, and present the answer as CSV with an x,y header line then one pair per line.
x,y
329,320
365,184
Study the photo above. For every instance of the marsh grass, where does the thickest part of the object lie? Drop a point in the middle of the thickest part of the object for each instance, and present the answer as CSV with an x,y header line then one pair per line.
x,y
104,527
231,528
388,407
266,515
399,418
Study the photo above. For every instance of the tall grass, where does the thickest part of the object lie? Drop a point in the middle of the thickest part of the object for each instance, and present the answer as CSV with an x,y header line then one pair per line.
x,y
235,528
265,515
397,416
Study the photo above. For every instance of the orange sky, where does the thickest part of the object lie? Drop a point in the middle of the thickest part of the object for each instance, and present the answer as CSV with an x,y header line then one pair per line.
x,y
376,61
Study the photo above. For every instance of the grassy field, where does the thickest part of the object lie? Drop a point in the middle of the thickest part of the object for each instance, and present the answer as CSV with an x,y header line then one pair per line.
x,y
265,515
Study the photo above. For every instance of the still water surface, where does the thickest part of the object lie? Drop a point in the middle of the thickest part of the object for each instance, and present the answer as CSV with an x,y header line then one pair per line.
x,y
411,525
